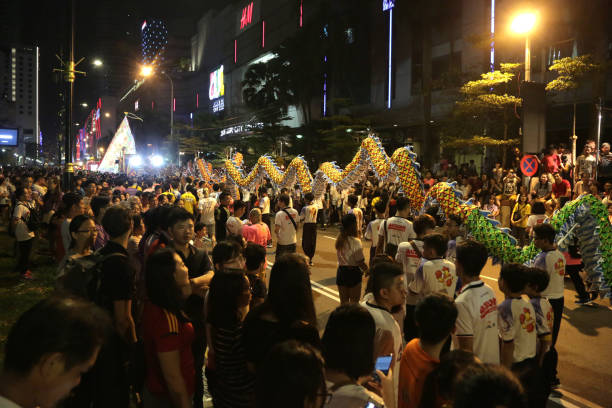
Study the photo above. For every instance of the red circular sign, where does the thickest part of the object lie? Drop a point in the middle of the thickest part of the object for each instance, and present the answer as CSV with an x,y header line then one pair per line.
x,y
529,165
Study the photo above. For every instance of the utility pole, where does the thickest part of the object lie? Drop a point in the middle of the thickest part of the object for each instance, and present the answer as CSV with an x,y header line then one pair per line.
x,y
68,69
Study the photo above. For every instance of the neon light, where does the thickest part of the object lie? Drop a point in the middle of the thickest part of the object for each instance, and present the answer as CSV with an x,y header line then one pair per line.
x,y
301,13
235,51
492,60
325,91
388,4
247,16
197,100
174,105
390,54
152,105
143,25
216,87
263,34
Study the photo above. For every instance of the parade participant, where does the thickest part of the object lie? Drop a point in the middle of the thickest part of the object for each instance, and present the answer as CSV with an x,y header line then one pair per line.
x,y
309,232
409,255
396,230
476,329
374,226
386,291
234,223
436,274
351,262
537,217
285,227
435,316
537,281
264,205
48,349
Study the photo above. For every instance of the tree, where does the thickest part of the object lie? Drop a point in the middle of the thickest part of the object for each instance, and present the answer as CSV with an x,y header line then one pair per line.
x,y
572,71
487,115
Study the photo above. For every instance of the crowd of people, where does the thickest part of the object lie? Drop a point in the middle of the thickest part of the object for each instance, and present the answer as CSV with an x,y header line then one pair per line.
x,y
181,309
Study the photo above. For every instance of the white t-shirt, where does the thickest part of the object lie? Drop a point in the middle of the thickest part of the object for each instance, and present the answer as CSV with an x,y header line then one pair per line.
x,y
264,204
410,260
207,209
372,231
516,321
309,214
359,215
434,276
351,254
398,230
65,233
353,396
22,212
477,318
552,262
234,226
287,234
534,220
386,322
544,315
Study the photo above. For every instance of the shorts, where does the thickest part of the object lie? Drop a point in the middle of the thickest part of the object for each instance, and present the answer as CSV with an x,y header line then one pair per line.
x,y
348,276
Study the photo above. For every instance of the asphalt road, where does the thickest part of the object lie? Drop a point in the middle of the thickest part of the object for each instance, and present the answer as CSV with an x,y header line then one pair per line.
x,y
585,337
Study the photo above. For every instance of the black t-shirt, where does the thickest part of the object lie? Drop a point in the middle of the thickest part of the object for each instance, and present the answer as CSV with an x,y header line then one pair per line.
x,y
198,264
221,217
260,335
117,281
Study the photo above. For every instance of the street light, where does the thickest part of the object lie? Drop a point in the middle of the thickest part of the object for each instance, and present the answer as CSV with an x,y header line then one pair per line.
x,y
107,115
523,24
84,104
147,71
98,62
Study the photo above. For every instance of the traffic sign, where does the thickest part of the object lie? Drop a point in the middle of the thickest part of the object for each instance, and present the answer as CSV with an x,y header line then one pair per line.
x,y
529,165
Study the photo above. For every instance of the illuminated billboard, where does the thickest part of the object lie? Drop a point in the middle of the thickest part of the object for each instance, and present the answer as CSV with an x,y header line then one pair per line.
x,y
248,15
388,4
9,137
216,87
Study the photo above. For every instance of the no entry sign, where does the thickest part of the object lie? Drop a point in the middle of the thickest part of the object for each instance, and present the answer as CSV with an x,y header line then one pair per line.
x,y
529,165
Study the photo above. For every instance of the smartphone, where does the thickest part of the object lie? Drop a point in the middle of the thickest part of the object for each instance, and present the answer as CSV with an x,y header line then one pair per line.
x,y
383,363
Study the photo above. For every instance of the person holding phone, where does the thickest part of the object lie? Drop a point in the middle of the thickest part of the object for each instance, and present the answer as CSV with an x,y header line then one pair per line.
x,y
348,349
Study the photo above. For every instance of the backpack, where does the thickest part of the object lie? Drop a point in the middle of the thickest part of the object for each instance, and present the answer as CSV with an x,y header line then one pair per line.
x,y
83,276
34,220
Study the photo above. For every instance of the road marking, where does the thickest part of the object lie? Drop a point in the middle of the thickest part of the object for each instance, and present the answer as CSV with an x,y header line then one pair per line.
x,y
579,399
323,287
486,277
325,236
324,293
564,404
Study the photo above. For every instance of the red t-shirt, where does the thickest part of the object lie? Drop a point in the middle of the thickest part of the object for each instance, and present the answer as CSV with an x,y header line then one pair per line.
x,y
257,233
163,332
561,189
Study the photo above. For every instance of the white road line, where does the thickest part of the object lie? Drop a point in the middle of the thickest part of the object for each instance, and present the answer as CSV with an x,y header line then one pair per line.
x,y
324,293
323,287
562,403
579,399
325,236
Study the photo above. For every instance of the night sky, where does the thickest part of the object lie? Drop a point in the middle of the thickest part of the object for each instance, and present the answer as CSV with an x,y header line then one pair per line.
x,y
105,29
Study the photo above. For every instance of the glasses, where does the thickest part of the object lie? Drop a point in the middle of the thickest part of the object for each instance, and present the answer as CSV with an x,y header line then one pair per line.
x,y
88,230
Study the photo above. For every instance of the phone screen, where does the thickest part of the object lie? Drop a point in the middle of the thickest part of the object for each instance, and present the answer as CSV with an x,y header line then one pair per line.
x,y
383,363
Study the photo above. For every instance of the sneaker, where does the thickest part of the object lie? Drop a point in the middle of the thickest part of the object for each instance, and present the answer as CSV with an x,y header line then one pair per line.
x,y
582,301
27,276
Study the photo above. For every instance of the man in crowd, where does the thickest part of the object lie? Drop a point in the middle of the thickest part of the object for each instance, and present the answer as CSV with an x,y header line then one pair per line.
x,y
561,187
396,229
285,227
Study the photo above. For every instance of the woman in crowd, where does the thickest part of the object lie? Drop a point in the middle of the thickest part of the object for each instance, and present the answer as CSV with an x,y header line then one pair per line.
x,y
351,261
83,234
538,216
520,214
348,349
167,333
230,383
293,376
287,313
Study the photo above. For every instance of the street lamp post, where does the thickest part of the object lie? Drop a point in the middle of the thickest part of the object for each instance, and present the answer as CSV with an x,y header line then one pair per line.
x,y
524,23
147,71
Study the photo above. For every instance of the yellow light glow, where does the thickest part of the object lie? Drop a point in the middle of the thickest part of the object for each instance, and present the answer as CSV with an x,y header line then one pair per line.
x,y
107,115
146,71
523,23
97,62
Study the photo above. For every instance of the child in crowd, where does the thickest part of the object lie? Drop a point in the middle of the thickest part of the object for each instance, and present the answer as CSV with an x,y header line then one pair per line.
x,y
409,255
455,235
476,329
537,281
436,274
200,238
256,264
435,316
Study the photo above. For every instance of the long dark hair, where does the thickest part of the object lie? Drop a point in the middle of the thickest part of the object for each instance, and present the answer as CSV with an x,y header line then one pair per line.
x,y
162,289
225,298
349,229
290,293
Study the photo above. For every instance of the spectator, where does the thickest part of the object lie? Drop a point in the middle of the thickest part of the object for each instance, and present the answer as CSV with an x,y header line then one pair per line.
x,y
464,188
488,387
287,313
476,305
200,239
435,274
586,162
561,187
83,232
542,190
233,384
293,376
351,261
99,204
48,349
21,215
222,214
519,218
348,349
256,265
396,229
168,334
73,206
386,291
234,223
605,164
551,162
256,230
537,217
492,206
207,206
285,227
227,257
190,202
510,186
409,255
435,316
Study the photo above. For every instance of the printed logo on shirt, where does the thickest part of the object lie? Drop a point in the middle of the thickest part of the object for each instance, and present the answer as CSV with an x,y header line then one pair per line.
x,y
411,253
527,321
560,267
397,227
488,307
444,276
549,319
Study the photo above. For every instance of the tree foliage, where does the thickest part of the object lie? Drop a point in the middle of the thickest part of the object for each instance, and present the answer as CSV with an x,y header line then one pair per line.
x,y
571,70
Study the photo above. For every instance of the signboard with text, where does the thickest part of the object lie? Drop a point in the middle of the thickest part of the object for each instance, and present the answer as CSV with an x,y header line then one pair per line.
x,y
388,4
248,15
